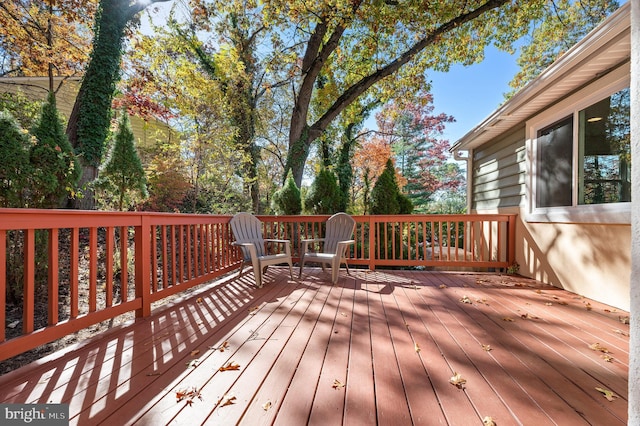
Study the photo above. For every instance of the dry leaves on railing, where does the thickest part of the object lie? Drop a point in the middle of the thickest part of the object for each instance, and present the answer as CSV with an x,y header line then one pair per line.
x,y
231,366
457,380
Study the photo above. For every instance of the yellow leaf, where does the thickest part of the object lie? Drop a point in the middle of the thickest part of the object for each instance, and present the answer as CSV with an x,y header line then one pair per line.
x,y
488,421
337,384
199,300
624,320
598,347
266,406
443,286
231,366
416,347
607,394
457,380
549,304
487,347
195,352
607,358
465,299
508,319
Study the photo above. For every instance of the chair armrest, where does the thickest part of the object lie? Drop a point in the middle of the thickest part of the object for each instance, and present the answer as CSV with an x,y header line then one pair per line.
x,y
307,242
342,247
277,241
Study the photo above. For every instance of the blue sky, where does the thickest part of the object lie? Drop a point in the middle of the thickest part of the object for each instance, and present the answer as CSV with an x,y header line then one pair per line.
x,y
471,94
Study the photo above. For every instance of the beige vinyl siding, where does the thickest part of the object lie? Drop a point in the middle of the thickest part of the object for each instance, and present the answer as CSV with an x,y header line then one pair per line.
x,y
499,172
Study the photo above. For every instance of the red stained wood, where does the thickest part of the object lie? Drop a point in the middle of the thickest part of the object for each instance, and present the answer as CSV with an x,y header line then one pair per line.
x,y
362,331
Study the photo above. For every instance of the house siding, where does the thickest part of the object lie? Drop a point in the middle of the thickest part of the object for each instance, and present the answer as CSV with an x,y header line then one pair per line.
x,y
499,172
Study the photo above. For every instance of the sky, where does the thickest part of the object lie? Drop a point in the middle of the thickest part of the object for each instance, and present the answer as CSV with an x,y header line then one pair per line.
x,y
469,94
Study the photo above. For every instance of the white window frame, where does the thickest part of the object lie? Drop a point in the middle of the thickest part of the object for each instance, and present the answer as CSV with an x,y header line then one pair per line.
x,y
620,213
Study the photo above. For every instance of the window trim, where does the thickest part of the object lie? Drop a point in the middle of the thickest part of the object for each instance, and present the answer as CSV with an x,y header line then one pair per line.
x,y
620,213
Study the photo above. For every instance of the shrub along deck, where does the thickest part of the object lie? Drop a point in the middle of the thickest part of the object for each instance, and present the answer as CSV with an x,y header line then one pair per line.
x,y
376,348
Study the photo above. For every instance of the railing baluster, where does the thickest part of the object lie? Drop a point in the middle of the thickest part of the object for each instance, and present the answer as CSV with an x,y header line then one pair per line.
x,y
53,276
93,268
29,281
73,272
3,283
109,231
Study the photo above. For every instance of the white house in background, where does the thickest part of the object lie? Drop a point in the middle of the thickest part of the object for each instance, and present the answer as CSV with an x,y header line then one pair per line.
x,y
558,154
146,132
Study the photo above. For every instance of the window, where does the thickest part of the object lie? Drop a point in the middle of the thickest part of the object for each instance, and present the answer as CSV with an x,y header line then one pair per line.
x,y
581,156
605,151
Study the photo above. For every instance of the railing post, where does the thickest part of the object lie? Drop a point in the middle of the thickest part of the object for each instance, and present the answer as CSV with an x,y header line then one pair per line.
x,y
511,240
142,242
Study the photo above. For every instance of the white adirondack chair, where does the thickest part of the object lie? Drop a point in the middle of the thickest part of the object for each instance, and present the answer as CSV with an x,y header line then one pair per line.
x,y
338,236
247,231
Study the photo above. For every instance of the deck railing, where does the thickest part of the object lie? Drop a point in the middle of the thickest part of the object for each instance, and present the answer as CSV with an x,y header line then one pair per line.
x,y
85,267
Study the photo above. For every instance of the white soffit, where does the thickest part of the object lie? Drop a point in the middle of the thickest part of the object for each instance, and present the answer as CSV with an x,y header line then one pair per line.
x,y
603,49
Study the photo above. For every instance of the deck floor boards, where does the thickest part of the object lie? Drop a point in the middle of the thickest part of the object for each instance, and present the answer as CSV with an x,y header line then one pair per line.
x,y
376,348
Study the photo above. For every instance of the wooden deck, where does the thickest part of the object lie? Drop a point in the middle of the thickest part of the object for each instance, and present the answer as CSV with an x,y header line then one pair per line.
x,y
377,348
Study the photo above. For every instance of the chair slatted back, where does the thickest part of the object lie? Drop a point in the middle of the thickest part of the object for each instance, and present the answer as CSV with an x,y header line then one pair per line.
x,y
340,227
247,228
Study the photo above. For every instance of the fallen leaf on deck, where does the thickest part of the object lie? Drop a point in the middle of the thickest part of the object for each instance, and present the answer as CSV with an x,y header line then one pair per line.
x,y
231,366
607,311
624,320
483,301
337,384
442,286
562,302
416,347
252,311
224,346
193,363
488,421
457,380
508,319
624,333
487,347
195,352
539,291
266,406
548,304
607,394
607,358
343,314
188,394
598,347
465,299
199,300
588,306
227,400
528,316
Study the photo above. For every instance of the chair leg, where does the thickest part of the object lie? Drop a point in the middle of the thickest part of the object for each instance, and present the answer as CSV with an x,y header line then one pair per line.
x,y
291,270
301,266
257,271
